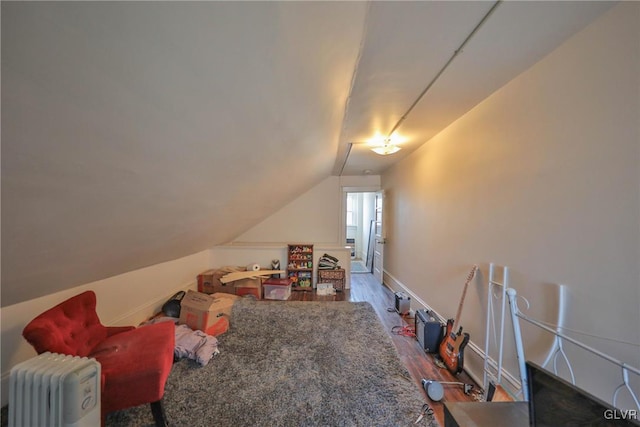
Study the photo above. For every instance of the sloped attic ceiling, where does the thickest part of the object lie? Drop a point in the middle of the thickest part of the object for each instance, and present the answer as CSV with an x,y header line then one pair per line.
x,y
426,63
139,132
135,133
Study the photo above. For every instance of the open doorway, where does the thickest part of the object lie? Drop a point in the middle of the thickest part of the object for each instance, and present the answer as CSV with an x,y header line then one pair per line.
x,y
360,231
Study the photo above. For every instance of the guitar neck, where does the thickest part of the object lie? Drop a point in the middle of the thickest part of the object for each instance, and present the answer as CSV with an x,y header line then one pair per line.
x,y
464,293
459,313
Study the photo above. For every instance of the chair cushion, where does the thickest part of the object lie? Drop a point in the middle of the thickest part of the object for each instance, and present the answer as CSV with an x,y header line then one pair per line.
x,y
135,365
71,327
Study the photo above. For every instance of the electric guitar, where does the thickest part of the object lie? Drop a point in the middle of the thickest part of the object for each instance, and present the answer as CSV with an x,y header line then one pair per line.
x,y
453,344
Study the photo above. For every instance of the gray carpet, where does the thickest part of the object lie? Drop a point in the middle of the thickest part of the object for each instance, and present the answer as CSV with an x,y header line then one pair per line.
x,y
292,364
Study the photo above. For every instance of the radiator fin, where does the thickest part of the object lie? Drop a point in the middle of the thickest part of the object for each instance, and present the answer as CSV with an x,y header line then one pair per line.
x,y
55,390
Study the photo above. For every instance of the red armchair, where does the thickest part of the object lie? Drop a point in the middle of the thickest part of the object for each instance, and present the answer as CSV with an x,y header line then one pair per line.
x,y
135,361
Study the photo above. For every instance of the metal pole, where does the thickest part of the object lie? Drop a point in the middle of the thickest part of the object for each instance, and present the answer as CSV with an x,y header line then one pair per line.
x,y
518,339
486,338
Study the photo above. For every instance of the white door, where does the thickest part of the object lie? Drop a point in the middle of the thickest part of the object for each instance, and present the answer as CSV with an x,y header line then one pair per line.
x,y
378,251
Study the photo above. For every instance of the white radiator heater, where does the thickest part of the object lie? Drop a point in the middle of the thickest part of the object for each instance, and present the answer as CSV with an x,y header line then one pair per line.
x,y
55,390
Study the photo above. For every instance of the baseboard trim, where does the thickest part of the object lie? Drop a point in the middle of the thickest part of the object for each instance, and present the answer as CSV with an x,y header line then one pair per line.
x,y
145,311
396,286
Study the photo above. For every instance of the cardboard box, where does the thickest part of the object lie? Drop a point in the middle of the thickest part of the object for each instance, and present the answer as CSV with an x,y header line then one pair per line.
x,y
248,287
201,311
209,282
231,299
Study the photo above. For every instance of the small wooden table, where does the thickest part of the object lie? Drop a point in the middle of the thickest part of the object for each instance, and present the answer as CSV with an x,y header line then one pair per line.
x,y
334,276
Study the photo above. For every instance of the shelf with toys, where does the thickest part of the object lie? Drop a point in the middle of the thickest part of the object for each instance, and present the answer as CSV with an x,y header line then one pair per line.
x,y
300,266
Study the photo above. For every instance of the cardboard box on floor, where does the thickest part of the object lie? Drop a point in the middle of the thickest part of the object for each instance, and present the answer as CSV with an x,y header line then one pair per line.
x,y
209,283
249,286
201,311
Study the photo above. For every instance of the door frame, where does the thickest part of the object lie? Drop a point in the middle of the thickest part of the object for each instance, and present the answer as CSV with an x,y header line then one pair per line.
x,y
380,237
343,210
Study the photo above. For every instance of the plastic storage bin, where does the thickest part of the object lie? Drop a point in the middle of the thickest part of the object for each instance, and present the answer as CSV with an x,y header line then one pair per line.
x,y
277,289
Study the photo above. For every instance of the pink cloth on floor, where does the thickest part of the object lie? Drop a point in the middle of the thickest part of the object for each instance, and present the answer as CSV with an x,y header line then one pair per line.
x,y
195,345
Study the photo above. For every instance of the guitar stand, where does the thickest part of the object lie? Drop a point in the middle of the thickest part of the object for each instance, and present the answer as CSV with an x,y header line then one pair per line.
x,y
435,391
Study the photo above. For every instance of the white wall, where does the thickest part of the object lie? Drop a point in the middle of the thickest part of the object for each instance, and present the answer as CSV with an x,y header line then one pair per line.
x,y
312,217
318,215
542,176
360,183
126,299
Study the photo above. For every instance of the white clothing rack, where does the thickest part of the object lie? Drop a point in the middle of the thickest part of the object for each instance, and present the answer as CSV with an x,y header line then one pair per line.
x,y
495,290
557,349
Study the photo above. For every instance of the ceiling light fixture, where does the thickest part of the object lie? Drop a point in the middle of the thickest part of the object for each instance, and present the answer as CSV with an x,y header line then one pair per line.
x,y
386,149
385,146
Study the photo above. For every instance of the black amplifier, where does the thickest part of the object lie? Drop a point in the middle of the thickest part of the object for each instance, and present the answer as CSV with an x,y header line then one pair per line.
x,y
429,331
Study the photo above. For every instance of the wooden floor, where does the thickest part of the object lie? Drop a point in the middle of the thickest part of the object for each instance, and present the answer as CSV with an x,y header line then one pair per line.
x,y
364,287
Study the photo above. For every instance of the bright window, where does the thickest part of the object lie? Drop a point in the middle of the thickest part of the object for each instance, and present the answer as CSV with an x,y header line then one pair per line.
x,y
351,207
